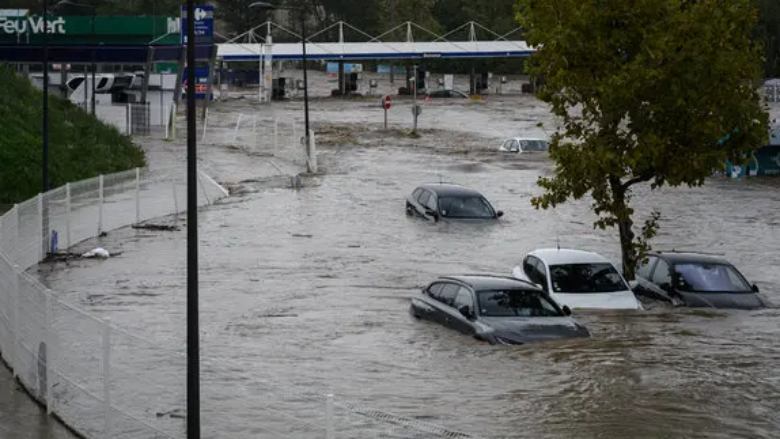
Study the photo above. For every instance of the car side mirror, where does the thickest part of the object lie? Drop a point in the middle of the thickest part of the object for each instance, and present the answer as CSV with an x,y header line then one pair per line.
x,y
755,288
539,286
566,310
465,311
499,214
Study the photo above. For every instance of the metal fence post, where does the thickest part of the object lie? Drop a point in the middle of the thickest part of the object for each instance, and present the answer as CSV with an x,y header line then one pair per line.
x,y
101,196
15,255
67,216
254,134
49,355
106,377
43,240
276,134
238,126
329,430
137,195
205,124
15,352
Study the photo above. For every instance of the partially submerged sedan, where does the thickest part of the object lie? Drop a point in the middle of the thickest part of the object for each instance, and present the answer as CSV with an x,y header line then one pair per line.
x,y
579,279
695,280
495,309
450,202
522,145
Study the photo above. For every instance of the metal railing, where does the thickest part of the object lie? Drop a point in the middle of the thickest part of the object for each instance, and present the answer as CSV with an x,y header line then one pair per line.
x,y
81,367
108,383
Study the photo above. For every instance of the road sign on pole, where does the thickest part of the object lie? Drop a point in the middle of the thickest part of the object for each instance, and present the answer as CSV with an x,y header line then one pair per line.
x,y
204,24
386,104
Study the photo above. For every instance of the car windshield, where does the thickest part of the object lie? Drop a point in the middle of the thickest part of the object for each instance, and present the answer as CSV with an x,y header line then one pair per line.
x,y
702,278
586,278
535,145
516,303
469,206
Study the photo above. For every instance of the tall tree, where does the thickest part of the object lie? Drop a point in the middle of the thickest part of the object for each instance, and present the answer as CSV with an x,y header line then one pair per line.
x,y
658,91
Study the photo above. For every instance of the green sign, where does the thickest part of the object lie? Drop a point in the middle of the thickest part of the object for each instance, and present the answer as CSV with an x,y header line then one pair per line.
x,y
81,29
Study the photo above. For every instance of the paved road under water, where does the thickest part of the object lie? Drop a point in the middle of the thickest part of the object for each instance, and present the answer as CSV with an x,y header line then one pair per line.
x,y
312,286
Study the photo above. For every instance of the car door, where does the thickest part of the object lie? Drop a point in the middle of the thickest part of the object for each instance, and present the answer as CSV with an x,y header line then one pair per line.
x,y
426,307
660,285
459,322
446,299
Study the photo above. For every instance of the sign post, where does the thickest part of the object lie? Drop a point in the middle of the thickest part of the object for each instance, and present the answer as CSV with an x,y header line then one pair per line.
x,y
386,104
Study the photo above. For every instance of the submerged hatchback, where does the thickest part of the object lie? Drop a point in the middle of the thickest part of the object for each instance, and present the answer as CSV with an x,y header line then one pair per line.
x,y
446,201
495,309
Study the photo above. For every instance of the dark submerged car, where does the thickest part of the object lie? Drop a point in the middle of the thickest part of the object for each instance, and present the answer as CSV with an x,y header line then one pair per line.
x,y
450,202
695,280
495,309
448,94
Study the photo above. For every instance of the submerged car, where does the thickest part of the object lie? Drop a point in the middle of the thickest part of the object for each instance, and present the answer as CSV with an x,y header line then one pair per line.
x,y
450,202
522,145
578,279
448,94
495,309
695,280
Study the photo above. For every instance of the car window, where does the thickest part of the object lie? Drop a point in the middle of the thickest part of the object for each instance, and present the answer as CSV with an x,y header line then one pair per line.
x,y
508,145
448,294
515,146
469,206
431,203
435,290
661,273
541,273
645,266
534,145
416,194
516,303
463,298
586,278
707,278
524,145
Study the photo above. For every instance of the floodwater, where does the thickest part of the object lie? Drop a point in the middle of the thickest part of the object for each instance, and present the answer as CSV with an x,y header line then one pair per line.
x,y
311,288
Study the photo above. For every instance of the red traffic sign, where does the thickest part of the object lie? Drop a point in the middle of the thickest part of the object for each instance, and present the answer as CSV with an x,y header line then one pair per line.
x,y
386,102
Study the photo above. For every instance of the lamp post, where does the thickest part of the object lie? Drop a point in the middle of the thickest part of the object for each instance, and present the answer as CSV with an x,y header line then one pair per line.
x,y
45,106
92,52
193,323
302,10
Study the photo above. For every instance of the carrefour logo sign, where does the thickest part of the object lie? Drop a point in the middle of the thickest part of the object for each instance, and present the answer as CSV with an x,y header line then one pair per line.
x,y
33,25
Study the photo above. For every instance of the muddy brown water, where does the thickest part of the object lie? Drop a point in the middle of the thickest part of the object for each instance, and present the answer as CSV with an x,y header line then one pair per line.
x,y
312,286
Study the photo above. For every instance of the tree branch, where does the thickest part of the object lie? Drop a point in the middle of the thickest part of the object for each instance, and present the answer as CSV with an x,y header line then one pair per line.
x,y
645,176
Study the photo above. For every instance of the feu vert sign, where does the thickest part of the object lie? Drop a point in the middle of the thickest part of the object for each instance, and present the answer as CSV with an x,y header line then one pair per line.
x,y
31,25
19,27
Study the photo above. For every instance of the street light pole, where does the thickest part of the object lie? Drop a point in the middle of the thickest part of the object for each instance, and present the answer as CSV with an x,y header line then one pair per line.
x,y
92,25
45,102
193,323
305,93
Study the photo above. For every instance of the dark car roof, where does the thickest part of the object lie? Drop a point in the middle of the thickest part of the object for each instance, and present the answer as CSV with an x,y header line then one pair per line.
x,y
481,282
448,190
690,257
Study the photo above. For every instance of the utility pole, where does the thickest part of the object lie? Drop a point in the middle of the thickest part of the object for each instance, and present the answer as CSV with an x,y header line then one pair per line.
x,y
415,111
392,23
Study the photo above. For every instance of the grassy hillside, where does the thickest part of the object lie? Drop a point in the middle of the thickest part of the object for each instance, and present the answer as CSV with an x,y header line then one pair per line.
x,y
80,145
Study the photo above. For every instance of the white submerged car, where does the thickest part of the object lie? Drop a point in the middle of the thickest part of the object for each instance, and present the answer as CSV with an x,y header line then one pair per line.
x,y
578,279
522,145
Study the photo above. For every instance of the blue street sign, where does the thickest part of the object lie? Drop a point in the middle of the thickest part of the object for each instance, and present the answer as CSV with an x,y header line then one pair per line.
x,y
201,83
204,24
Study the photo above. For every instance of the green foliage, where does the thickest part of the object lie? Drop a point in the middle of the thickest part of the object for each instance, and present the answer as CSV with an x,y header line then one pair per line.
x,y
645,89
80,145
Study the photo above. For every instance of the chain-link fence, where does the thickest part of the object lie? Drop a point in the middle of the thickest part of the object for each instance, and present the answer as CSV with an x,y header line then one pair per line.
x,y
107,383
263,136
104,382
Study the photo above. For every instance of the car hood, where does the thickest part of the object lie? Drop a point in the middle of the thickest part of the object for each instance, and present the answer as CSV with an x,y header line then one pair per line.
x,y
529,329
723,300
616,300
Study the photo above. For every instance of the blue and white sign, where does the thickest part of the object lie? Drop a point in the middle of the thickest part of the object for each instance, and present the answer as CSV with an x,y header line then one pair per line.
x,y
204,24
201,84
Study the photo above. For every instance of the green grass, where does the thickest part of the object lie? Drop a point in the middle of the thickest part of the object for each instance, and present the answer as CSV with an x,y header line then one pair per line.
x,y
80,145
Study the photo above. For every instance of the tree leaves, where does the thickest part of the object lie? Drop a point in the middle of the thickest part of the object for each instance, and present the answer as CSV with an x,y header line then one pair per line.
x,y
645,89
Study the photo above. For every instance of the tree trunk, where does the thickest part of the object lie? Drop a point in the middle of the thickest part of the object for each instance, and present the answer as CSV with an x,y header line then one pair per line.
x,y
625,228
